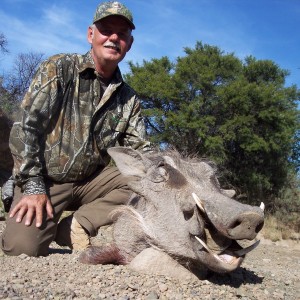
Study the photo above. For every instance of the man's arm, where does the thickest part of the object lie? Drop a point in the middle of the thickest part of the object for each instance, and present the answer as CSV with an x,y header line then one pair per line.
x,y
135,135
27,145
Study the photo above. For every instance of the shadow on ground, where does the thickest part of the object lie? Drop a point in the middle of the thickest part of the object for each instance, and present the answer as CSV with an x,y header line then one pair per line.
x,y
236,278
59,251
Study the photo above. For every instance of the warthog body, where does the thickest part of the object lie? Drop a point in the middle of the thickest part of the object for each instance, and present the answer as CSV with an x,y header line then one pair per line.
x,y
179,222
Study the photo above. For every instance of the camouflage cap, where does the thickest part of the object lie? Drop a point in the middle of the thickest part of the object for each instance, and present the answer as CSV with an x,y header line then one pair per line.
x,y
113,8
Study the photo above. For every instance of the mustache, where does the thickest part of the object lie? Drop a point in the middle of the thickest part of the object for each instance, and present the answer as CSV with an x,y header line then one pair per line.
x,y
112,45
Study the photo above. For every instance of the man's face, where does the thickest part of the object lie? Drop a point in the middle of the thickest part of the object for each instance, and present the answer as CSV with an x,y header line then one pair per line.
x,y
110,39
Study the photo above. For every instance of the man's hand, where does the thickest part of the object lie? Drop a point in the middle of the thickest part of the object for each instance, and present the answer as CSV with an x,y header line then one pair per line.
x,y
30,206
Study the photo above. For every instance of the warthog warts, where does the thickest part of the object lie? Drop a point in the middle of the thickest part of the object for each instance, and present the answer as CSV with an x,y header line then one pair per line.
x,y
179,222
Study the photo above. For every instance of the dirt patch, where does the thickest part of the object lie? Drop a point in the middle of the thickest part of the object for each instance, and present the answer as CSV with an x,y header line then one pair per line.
x,y
271,271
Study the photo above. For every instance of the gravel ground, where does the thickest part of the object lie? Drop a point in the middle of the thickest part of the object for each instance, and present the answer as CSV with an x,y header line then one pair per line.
x,y
271,271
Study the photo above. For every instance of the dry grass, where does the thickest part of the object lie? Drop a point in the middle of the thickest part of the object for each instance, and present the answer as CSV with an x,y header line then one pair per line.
x,y
276,229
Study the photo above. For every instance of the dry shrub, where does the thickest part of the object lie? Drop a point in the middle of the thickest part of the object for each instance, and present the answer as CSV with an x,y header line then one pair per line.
x,y
270,230
276,228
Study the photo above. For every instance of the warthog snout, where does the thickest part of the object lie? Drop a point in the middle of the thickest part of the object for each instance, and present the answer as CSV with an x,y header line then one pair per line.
x,y
246,226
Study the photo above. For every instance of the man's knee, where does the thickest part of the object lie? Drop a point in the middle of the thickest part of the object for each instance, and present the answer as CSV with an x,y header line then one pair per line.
x,y
15,249
15,246
18,239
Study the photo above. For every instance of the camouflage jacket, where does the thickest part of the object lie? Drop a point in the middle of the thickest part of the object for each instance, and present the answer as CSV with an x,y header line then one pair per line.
x,y
68,124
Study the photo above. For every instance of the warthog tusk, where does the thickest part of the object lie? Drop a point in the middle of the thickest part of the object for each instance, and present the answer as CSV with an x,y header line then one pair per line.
x,y
247,250
206,247
203,244
198,202
262,206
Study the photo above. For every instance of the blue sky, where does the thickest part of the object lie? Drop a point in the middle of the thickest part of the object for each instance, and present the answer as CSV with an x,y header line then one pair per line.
x,y
266,29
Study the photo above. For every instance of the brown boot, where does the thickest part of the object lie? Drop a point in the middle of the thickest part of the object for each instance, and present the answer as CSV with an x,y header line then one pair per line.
x,y
70,233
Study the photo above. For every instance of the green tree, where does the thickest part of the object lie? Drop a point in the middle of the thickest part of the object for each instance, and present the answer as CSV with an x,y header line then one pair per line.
x,y
157,89
235,112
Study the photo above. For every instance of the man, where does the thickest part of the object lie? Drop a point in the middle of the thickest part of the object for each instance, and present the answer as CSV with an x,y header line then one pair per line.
x,y
76,107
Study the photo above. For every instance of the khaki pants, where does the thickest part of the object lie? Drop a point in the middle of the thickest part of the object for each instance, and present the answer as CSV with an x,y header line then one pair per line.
x,y
92,200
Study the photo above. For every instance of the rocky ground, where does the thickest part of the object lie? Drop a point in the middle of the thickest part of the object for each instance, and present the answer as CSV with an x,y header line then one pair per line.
x,y
271,271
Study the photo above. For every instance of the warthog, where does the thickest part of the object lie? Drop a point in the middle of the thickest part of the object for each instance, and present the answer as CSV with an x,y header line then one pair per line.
x,y
179,222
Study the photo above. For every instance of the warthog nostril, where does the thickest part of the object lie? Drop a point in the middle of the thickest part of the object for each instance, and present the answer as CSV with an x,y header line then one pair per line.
x,y
235,224
259,227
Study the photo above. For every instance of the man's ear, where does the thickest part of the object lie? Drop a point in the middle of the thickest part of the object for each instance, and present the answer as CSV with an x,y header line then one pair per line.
x,y
90,34
130,43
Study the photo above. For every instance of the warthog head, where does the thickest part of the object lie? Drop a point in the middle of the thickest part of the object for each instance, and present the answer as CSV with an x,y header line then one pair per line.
x,y
178,210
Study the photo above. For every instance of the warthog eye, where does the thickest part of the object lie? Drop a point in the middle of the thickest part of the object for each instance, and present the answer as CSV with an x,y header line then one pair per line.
x,y
188,214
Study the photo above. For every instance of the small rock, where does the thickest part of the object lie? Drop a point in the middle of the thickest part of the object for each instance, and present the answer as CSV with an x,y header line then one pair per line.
x,y
288,282
23,256
152,296
163,287
266,292
133,287
240,292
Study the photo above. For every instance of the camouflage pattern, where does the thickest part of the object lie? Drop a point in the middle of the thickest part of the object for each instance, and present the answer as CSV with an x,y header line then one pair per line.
x,y
113,8
68,123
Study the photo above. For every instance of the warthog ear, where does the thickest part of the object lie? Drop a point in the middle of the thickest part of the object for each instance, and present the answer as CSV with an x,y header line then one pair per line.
x,y
129,162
